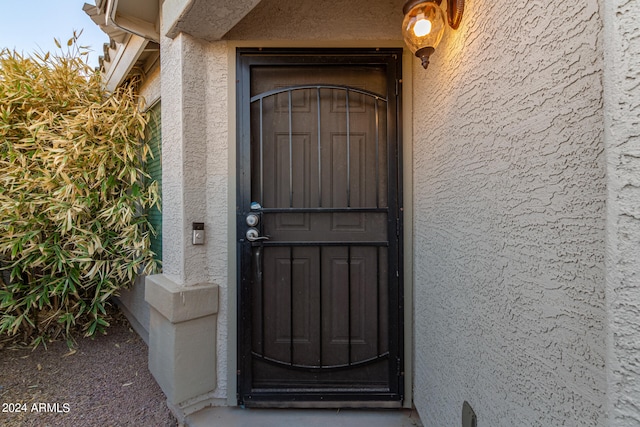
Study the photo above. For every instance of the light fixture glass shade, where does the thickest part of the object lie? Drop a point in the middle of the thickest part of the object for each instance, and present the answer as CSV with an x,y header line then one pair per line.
x,y
423,28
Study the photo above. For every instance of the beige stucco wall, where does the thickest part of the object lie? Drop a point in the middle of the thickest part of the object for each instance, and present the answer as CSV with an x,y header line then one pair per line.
x,y
196,173
329,20
198,125
509,176
622,140
217,188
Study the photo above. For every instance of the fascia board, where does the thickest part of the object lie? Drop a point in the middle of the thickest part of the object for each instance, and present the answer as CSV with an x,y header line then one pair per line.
x,y
125,58
133,24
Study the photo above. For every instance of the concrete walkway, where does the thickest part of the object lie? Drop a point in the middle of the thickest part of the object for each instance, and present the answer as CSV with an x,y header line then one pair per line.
x,y
238,417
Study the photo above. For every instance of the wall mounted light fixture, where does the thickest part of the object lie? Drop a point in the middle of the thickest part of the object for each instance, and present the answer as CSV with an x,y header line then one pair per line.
x,y
423,25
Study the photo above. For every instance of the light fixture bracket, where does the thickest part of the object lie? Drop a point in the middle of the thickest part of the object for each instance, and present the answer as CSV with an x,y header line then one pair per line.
x,y
455,9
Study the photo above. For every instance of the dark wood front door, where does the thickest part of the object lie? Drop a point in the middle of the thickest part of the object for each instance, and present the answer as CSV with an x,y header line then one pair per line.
x,y
319,229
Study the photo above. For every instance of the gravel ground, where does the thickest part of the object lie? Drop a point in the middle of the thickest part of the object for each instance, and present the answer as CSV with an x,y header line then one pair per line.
x,y
104,382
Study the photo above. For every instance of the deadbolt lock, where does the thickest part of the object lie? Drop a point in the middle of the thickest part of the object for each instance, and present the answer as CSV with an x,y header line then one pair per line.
x,y
252,220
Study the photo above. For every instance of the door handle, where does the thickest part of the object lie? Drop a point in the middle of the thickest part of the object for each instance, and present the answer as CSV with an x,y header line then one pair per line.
x,y
257,265
254,235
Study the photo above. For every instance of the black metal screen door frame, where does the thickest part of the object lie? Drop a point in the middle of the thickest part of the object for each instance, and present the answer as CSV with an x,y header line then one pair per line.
x,y
247,251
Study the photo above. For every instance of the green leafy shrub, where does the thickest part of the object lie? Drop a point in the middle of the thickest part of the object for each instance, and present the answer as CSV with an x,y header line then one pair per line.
x,y
73,194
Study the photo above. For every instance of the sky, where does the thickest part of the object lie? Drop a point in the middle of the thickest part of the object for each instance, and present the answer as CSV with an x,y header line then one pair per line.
x,y
30,26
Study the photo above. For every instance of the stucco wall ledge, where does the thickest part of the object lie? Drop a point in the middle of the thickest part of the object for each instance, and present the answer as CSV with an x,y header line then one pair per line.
x,y
180,303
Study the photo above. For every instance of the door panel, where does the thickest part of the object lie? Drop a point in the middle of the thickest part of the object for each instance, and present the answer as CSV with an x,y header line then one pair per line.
x,y
319,304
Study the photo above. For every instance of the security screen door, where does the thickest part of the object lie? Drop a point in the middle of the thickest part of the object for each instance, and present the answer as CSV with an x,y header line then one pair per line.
x,y
319,228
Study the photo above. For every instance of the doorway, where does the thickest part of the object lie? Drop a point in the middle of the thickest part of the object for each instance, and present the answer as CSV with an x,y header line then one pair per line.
x,y
319,222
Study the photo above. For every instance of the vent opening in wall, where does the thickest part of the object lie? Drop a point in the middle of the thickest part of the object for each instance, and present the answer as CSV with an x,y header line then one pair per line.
x,y
469,418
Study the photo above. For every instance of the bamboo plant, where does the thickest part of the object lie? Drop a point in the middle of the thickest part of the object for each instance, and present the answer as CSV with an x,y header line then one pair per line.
x,y
73,194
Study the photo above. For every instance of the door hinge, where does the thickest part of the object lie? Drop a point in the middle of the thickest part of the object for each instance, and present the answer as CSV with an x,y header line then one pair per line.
x,y
397,87
397,227
399,367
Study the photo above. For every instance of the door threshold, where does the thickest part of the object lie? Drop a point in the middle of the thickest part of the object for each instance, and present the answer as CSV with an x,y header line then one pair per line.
x,y
361,404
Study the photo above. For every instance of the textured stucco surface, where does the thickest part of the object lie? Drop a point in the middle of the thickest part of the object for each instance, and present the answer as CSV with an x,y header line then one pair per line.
x,y
217,167
509,176
204,19
184,156
136,308
510,182
327,20
195,171
622,138
195,120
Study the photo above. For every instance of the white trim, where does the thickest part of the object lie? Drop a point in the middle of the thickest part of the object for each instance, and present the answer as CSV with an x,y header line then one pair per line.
x,y
132,24
407,198
126,56
232,284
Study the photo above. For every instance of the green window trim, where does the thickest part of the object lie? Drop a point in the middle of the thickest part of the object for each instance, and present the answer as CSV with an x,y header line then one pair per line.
x,y
154,169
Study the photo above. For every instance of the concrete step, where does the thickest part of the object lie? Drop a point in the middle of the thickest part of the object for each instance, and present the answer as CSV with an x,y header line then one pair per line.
x,y
239,417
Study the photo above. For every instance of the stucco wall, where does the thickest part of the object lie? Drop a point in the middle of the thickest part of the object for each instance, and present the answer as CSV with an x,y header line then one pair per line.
x,y
208,85
509,176
217,146
184,156
327,20
510,187
195,171
622,137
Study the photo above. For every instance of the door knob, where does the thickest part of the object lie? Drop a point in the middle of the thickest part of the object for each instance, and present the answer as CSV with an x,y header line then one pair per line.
x,y
253,235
